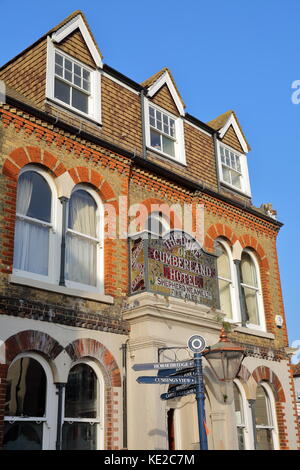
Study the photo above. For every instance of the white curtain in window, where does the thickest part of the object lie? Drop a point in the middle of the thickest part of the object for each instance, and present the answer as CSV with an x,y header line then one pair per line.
x,y
81,252
31,246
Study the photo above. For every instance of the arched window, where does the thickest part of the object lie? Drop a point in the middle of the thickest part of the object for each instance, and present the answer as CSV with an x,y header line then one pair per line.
x,y
26,421
265,419
83,263
34,224
251,288
157,225
226,276
81,428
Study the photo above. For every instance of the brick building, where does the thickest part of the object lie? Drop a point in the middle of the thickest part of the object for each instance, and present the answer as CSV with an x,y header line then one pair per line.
x,y
84,152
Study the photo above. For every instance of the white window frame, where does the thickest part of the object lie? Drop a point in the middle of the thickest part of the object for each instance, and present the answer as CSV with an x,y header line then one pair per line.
x,y
245,181
100,420
54,231
271,410
99,288
259,297
49,420
179,133
94,104
233,282
247,425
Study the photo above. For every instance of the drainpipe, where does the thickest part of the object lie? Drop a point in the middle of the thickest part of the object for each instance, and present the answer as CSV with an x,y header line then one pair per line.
x,y
144,152
215,134
60,390
64,201
124,366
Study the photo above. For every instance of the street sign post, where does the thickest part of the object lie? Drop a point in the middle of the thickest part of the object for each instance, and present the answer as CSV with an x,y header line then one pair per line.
x,y
163,365
166,380
179,393
185,377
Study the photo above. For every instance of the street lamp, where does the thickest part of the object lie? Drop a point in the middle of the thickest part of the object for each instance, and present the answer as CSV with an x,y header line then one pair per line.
x,y
225,358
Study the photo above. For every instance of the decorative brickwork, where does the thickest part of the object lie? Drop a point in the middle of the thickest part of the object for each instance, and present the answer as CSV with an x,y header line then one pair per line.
x,y
31,340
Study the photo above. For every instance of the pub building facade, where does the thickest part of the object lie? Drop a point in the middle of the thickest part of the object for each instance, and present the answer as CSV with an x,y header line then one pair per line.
x,y
99,274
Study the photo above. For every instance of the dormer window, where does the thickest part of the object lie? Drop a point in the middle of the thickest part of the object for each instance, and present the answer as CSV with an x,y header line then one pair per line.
x,y
162,131
72,83
233,169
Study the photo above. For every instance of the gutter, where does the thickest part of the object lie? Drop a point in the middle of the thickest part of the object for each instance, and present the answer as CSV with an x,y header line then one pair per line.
x,y
138,160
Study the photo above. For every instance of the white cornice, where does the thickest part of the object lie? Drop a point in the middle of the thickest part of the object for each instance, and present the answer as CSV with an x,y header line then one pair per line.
x,y
69,27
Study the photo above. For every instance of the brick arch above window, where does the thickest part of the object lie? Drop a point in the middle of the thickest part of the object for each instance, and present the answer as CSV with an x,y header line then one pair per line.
x,y
31,340
82,174
87,347
265,374
247,241
22,156
151,205
216,231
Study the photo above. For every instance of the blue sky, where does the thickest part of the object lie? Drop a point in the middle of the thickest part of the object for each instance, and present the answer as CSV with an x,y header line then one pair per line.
x,y
223,55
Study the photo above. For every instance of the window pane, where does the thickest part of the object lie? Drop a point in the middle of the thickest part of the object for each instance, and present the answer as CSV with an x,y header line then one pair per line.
x,y
68,75
251,305
34,196
223,263
77,80
81,259
59,59
59,70
236,179
68,64
62,91
226,174
168,146
264,440
86,74
23,436
26,390
79,436
86,85
77,70
80,100
155,140
225,298
261,407
81,393
248,270
31,247
82,213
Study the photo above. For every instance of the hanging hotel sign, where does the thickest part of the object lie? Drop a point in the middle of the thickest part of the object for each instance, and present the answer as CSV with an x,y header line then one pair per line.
x,y
175,266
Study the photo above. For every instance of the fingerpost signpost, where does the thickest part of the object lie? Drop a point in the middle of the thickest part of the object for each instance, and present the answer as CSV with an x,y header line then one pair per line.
x,y
185,378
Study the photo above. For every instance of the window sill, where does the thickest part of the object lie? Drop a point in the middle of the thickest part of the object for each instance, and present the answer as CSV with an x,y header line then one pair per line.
x,y
234,189
63,106
254,332
163,156
13,279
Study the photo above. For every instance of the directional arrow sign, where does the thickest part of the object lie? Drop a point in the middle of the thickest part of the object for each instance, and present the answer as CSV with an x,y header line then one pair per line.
x,y
166,380
164,365
182,393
